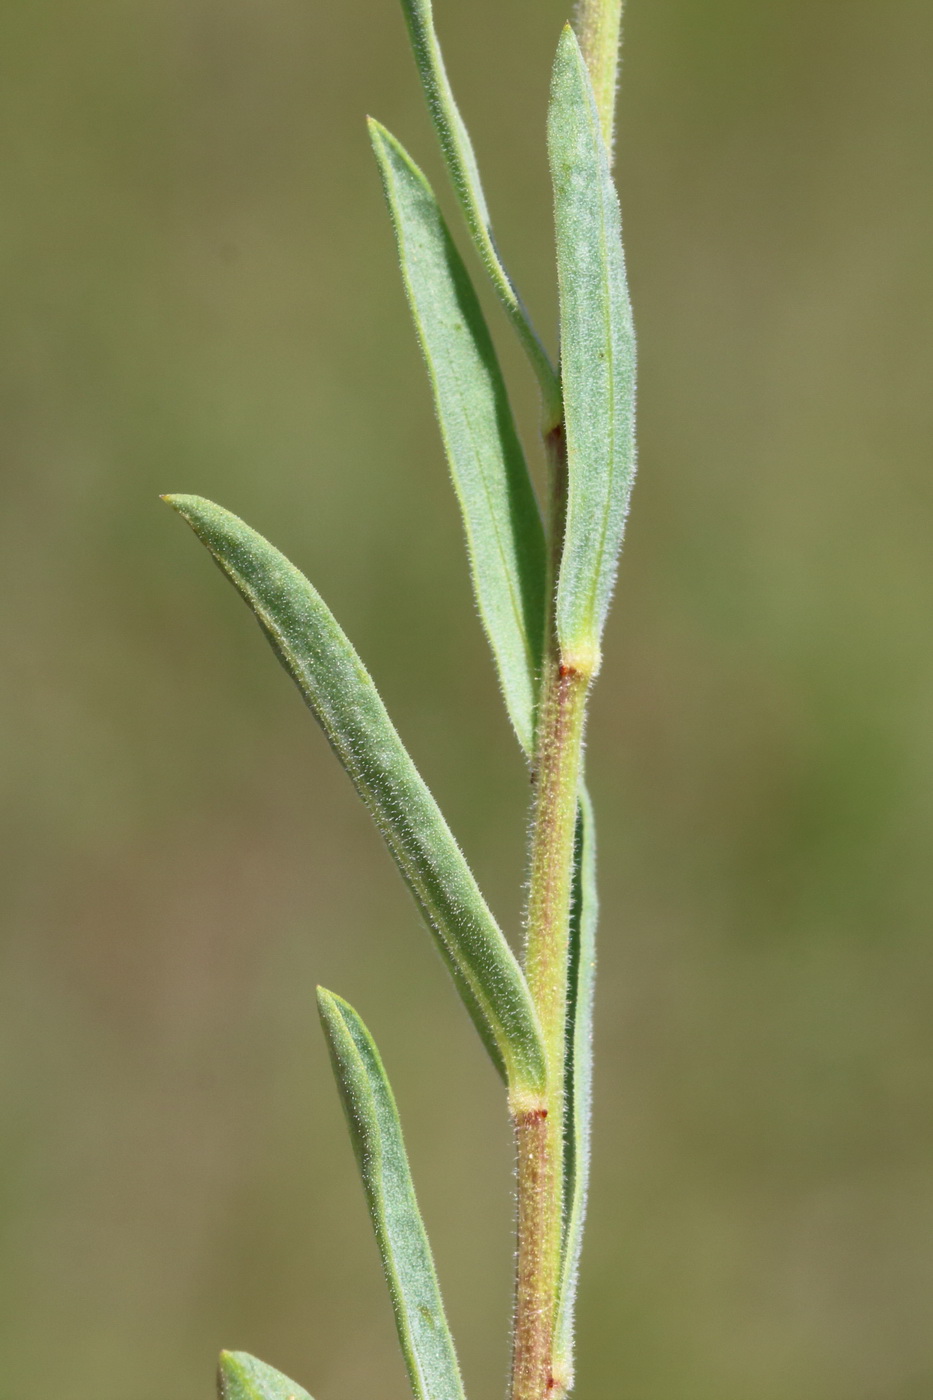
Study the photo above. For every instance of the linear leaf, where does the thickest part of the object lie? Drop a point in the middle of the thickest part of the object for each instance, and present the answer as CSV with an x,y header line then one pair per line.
x,y
241,1377
380,1152
461,163
597,357
342,697
579,1074
505,538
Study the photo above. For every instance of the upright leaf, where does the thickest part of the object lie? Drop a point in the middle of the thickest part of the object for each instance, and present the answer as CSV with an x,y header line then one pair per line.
x,y
342,697
505,539
464,173
241,1377
579,1074
380,1152
597,358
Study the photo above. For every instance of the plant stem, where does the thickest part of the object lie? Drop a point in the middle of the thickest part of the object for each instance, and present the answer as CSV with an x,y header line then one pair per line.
x,y
598,24
535,1274
539,1127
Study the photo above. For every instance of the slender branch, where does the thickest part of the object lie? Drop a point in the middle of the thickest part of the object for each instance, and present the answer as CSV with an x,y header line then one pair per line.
x,y
598,24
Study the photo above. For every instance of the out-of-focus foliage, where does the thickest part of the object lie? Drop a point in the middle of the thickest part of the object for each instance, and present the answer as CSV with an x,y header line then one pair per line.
x,y
200,294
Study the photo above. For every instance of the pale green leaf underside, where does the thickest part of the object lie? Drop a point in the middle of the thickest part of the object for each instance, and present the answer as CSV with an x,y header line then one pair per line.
x,y
505,538
343,698
579,1072
380,1151
597,355
241,1377
461,164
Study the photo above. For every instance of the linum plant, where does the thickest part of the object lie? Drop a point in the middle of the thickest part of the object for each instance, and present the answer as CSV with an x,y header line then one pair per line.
x,y
543,580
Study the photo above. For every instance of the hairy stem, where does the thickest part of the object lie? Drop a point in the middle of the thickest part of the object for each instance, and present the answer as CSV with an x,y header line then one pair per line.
x,y
598,24
533,1334
539,1128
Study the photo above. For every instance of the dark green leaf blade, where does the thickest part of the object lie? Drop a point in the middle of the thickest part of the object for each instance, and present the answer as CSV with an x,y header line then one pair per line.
x,y
505,538
344,700
380,1152
241,1377
597,358
461,164
579,1077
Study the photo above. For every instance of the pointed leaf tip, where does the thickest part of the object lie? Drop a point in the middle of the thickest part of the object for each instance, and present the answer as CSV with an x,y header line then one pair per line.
x,y
376,1132
242,1377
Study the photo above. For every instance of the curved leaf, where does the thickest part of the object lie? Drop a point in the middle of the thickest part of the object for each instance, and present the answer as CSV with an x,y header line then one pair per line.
x,y
597,358
505,538
380,1152
342,697
464,173
579,1076
241,1377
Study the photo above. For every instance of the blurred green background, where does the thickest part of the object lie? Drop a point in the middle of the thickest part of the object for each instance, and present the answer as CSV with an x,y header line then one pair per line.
x,y
199,293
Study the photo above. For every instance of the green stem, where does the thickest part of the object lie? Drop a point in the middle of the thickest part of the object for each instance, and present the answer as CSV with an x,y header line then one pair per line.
x,y
598,25
540,1129
539,1126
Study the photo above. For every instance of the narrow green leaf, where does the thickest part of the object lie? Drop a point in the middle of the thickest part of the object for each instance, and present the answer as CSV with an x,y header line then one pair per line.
x,y
597,358
464,173
242,1377
342,697
505,538
380,1152
579,1074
